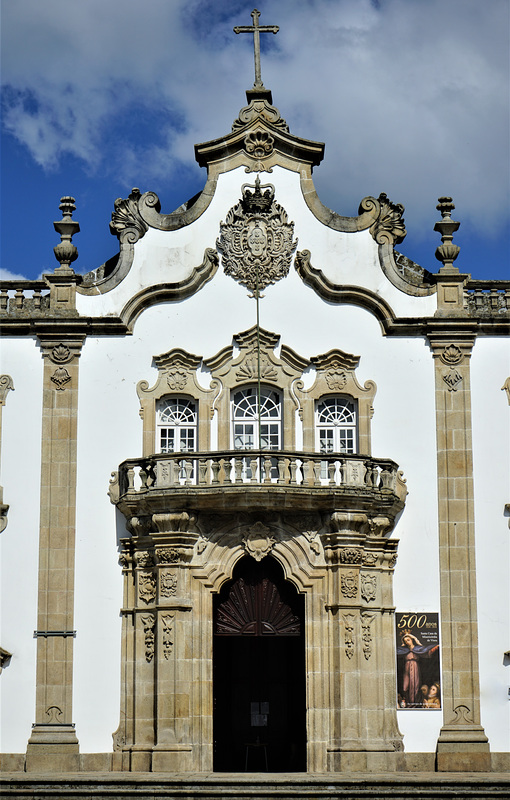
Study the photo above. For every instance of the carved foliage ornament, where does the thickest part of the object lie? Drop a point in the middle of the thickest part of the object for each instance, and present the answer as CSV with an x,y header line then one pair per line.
x,y
127,223
60,377
258,145
177,379
256,239
349,634
389,227
148,622
451,354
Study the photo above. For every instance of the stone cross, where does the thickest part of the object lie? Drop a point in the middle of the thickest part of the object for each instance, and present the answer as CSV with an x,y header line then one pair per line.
x,y
256,29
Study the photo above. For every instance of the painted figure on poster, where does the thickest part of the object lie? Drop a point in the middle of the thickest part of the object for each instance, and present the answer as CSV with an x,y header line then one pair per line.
x,y
413,652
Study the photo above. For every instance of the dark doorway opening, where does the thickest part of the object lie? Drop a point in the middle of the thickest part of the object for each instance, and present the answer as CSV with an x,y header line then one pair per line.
x,y
259,672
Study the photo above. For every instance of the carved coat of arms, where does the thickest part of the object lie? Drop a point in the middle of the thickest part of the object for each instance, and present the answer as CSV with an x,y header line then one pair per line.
x,y
256,239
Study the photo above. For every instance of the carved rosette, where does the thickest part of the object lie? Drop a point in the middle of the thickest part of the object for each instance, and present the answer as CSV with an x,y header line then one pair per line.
x,y
256,239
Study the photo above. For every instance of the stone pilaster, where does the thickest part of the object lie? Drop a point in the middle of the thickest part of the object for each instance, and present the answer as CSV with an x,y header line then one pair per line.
x,y
462,743
53,745
155,730
364,729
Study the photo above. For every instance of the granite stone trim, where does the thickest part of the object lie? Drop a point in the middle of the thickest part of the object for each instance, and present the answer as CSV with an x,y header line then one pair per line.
x,y
462,742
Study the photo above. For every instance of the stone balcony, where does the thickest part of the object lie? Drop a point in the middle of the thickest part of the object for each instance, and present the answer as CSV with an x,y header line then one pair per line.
x,y
234,480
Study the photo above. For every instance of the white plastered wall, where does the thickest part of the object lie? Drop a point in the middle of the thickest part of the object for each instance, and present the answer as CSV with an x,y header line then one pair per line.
x,y
19,542
345,258
490,367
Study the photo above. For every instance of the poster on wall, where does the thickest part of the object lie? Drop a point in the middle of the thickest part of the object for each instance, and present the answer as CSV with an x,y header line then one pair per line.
x,y
418,670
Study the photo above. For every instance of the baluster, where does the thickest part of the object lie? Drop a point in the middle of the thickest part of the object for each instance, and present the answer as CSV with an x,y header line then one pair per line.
x,y
267,470
342,471
4,300
331,473
215,467
281,469
188,470
202,471
293,470
226,469
37,299
175,472
385,478
238,468
254,462
317,472
308,472
143,478
130,479
18,298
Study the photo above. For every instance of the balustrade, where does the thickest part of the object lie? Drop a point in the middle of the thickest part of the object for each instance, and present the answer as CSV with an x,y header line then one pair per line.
x,y
23,296
487,297
250,468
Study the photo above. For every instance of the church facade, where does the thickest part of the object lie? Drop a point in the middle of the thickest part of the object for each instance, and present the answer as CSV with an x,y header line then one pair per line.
x,y
255,487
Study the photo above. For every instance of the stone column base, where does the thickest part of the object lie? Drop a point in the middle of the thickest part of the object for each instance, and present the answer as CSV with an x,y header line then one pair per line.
x,y
53,748
463,748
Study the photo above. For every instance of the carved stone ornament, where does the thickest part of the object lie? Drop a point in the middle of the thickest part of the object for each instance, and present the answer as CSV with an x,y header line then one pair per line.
x,y
258,542
451,354
259,145
167,621
336,379
368,587
366,634
149,622
60,354
168,555
369,559
349,584
249,370
60,377
313,541
177,379
127,223
351,555
256,239
167,584
504,388
144,559
389,226
349,634
54,714
6,384
452,379
147,587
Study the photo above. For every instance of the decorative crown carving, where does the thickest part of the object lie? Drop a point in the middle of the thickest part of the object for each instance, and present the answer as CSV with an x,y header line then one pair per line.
x,y
256,239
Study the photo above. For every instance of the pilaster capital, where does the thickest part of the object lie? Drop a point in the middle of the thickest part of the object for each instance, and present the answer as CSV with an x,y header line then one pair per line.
x,y
451,344
61,349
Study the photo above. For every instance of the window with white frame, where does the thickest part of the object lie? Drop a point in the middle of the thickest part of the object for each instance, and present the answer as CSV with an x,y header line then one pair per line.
x,y
336,425
257,427
176,425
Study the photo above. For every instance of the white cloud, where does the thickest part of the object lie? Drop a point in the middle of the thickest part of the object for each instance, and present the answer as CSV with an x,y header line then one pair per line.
x,y
410,97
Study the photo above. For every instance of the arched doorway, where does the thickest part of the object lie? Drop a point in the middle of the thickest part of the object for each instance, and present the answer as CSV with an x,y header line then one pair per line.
x,y
259,672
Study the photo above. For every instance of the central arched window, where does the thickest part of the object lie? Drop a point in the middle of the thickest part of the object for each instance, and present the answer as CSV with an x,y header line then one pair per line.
x,y
176,425
257,425
336,425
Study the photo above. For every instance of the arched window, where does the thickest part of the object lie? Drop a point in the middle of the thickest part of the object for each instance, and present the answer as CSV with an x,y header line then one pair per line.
x,y
253,430
336,425
176,425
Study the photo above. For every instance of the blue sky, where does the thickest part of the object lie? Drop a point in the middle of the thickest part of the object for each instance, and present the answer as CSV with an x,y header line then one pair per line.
x,y
411,98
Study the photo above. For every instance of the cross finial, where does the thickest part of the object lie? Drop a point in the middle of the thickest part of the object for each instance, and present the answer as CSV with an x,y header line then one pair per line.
x,y
256,29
